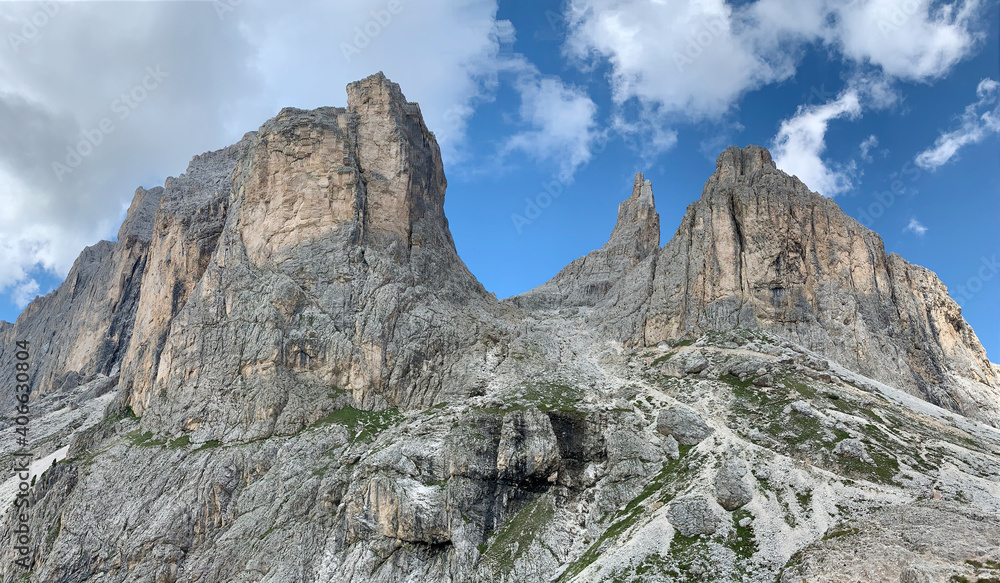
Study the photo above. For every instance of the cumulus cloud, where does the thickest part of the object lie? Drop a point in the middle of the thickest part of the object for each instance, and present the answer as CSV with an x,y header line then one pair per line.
x,y
979,120
25,291
684,56
915,227
801,141
916,40
218,75
694,60
562,121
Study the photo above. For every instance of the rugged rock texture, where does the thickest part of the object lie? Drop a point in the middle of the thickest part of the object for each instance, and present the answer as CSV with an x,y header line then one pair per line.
x,y
84,327
731,492
586,281
683,424
309,264
283,373
760,250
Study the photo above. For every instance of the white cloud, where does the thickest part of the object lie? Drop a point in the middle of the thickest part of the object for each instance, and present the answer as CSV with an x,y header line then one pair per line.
x,y
801,140
562,121
224,77
694,60
25,291
915,227
975,127
649,135
866,146
916,40
682,55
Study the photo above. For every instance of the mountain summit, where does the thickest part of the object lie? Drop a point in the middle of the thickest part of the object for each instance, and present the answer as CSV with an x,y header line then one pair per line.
x,y
760,250
282,372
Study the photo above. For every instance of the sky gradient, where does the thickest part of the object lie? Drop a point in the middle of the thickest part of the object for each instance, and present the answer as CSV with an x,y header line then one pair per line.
x,y
544,111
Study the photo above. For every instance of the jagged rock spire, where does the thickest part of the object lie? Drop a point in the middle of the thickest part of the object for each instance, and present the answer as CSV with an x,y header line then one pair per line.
x,y
760,250
587,280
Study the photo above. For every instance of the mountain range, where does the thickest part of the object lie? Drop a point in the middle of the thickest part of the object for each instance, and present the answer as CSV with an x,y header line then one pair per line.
x,y
282,371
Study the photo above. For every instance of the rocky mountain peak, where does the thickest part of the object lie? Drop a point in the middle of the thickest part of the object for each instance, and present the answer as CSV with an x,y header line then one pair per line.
x,y
139,218
284,357
736,162
760,250
377,96
638,223
587,280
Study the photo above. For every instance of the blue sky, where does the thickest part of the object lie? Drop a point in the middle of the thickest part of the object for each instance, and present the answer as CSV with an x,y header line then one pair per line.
x,y
889,106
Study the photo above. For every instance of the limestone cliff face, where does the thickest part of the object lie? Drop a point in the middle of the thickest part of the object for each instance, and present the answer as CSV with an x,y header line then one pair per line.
x,y
84,327
323,392
308,267
760,250
587,280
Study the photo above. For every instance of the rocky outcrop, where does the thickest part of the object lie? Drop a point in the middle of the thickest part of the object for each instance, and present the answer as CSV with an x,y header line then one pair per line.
x,y
528,448
684,425
312,259
84,327
760,250
586,281
731,491
693,516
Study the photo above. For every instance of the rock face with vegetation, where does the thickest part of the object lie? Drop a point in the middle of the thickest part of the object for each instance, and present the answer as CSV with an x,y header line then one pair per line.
x,y
282,372
760,250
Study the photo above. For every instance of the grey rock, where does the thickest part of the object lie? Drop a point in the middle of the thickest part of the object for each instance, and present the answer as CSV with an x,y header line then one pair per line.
x,y
528,448
695,364
731,491
84,327
802,408
759,250
914,574
586,281
692,516
671,447
924,541
684,425
852,448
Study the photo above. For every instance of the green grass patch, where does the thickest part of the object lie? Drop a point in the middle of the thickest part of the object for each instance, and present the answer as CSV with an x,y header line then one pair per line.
x,y
362,425
802,388
53,533
735,381
882,471
804,499
182,441
518,534
209,444
631,513
742,540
